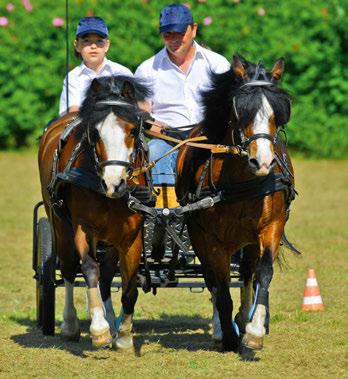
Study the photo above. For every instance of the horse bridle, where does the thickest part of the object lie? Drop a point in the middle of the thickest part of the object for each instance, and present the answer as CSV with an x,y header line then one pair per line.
x,y
136,132
254,82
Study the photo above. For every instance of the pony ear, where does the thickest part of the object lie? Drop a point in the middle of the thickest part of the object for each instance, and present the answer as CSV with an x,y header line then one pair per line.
x,y
238,67
96,85
128,90
278,69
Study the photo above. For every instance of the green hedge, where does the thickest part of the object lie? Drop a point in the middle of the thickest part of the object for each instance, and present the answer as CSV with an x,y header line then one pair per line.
x,y
311,34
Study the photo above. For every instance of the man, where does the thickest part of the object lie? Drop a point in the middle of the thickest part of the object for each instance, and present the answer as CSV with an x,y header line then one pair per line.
x,y
177,74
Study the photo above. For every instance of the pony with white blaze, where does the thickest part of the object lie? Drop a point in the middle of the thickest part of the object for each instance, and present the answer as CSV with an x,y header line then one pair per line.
x,y
86,162
253,186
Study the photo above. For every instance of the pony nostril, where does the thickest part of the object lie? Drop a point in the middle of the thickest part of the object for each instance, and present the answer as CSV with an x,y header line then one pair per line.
x,y
121,186
254,162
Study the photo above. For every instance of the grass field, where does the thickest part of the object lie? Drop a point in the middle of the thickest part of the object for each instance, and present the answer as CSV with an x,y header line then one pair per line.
x,y
172,329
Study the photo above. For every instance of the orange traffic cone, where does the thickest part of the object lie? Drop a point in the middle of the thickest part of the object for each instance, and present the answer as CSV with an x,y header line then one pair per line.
x,y
311,298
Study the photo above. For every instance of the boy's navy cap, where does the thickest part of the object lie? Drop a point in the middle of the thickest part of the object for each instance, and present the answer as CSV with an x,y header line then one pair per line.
x,y
92,25
175,18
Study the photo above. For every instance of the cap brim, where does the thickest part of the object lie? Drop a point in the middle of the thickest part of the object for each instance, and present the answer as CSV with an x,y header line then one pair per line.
x,y
178,28
90,31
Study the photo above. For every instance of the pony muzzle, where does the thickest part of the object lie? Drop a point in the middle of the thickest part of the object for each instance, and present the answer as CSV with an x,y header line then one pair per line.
x,y
261,168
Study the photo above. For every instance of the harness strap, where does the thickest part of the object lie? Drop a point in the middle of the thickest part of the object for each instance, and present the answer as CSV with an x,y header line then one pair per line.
x,y
215,149
114,162
189,141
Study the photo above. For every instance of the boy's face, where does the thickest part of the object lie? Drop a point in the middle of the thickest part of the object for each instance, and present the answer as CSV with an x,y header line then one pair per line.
x,y
92,48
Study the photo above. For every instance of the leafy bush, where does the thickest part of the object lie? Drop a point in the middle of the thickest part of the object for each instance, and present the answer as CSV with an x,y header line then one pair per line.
x,y
311,34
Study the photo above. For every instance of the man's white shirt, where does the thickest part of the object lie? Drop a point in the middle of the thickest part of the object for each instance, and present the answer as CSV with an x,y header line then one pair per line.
x,y
80,79
176,95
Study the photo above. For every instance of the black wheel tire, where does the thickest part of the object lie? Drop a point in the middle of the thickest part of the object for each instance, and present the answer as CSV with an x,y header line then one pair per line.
x,y
45,286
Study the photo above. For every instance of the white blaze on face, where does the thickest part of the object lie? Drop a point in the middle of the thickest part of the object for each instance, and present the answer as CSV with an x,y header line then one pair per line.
x,y
113,137
264,153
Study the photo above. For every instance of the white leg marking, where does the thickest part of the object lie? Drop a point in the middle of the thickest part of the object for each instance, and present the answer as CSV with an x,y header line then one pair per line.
x,y
70,325
96,311
217,331
98,324
124,339
256,326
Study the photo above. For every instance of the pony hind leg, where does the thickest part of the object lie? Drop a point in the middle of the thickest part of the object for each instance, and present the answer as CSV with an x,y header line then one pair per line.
x,y
129,264
68,262
108,268
211,285
70,328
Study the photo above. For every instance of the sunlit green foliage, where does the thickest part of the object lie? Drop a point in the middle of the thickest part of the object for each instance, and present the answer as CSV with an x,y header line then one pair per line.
x,y
312,35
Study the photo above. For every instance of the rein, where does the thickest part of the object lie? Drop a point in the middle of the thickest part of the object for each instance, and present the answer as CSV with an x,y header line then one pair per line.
x,y
193,142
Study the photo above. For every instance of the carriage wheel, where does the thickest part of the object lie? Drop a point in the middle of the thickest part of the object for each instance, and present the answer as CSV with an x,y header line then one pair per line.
x,y
45,287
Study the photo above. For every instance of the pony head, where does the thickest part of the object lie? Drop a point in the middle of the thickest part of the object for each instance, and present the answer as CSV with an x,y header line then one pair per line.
x,y
247,102
114,122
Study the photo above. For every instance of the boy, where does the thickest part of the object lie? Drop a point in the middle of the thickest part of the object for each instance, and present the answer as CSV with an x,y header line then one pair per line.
x,y
91,44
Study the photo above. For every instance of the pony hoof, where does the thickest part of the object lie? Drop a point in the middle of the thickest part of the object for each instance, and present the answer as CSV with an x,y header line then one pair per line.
x,y
230,344
70,337
217,337
252,342
102,339
123,342
70,332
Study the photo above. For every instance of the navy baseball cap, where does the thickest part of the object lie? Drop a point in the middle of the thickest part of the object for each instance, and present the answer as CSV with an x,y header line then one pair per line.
x,y
175,18
92,25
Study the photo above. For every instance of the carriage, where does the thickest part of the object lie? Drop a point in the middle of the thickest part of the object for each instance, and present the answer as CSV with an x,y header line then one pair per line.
x,y
235,183
178,268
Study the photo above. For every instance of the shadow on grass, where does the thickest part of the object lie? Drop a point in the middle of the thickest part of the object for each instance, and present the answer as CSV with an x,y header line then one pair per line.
x,y
190,333
33,338
173,332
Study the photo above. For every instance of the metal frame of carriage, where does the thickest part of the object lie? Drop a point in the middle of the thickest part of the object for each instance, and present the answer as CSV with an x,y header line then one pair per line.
x,y
179,267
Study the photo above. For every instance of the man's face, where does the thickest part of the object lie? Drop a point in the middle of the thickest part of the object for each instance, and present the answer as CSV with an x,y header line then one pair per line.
x,y
92,48
179,44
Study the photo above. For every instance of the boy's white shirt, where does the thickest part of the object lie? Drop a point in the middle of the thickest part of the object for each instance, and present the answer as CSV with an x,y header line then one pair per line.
x,y
80,79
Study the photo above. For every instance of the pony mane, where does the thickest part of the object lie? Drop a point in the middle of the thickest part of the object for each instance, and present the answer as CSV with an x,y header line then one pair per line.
x,y
219,108
119,87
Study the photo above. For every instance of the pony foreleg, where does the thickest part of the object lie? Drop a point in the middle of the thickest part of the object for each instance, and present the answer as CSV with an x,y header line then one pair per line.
x,y
124,338
247,269
246,301
70,329
257,328
99,328
230,338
